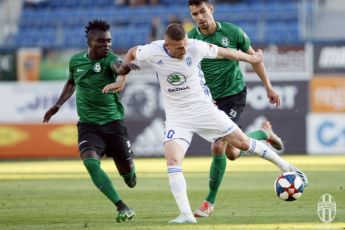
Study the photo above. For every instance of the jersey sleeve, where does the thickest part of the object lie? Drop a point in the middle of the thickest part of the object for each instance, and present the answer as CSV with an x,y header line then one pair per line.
x,y
243,40
111,60
70,70
208,50
144,53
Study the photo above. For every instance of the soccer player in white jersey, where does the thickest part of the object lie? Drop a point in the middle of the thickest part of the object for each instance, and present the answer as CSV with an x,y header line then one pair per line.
x,y
188,105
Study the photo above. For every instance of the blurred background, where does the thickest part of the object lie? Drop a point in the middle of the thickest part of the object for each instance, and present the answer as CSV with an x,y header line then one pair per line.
x,y
303,43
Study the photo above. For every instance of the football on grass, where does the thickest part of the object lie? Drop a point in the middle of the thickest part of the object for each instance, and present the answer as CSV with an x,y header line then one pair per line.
x,y
289,186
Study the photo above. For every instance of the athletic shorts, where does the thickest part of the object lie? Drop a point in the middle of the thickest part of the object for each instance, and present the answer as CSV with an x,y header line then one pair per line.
x,y
233,105
110,139
211,124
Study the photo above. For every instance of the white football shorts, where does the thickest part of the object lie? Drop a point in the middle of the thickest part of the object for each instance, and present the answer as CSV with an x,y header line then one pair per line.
x,y
210,125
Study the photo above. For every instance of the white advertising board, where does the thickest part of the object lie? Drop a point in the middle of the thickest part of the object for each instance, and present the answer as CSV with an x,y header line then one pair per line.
x,y
27,102
326,133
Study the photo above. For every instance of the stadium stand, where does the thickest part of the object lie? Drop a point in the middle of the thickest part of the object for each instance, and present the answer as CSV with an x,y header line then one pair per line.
x,y
60,23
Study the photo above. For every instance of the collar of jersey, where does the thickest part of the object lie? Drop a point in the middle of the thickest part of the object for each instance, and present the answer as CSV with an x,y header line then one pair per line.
x,y
219,26
165,49
86,55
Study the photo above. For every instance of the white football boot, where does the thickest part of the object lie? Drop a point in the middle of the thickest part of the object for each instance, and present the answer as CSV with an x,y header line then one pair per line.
x,y
184,219
205,210
300,174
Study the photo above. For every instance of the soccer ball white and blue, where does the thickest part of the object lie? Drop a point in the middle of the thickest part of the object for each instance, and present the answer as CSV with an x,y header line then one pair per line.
x,y
289,186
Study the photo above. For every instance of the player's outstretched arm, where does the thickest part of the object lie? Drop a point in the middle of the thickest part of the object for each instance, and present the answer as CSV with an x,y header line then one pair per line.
x,y
260,70
66,93
237,55
131,54
119,84
123,69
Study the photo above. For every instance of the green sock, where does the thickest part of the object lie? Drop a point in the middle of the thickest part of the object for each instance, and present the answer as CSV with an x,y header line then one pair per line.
x,y
258,135
217,171
101,180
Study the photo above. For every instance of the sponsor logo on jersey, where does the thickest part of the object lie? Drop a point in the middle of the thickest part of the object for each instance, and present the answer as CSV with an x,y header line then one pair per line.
x,y
225,42
177,89
160,62
97,68
176,79
189,61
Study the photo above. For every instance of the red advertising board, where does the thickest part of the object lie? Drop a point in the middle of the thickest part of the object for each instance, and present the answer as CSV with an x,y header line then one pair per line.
x,y
38,141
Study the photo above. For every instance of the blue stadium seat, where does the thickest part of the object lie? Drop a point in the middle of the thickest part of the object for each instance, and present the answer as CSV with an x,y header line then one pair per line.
x,y
74,37
126,37
263,21
24,40
173,2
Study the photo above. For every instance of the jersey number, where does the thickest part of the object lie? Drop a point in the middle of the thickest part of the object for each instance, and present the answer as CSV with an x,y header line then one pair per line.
x,y
170,133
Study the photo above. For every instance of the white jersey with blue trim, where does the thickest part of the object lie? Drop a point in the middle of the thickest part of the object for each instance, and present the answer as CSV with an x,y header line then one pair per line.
x,y
181,81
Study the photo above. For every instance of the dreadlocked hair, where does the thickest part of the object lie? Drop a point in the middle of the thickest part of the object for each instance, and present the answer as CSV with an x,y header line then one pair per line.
x,y
96,25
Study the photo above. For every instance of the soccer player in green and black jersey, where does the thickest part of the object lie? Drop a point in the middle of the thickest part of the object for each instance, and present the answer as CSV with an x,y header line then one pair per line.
x,y
228,89
101,130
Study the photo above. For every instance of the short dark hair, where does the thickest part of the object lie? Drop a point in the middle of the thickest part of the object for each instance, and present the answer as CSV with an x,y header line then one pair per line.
x,y
93,25
175,31
197,2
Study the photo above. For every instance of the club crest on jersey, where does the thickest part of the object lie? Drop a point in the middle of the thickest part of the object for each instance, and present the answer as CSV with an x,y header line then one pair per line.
x,y
176,79
189,61
225,42
97,68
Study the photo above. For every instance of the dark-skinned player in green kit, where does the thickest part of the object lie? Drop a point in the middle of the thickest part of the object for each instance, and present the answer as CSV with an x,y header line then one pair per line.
x,y
228,89
101,130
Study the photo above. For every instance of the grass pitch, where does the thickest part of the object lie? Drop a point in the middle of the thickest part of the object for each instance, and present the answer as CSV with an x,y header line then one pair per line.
x,y
59,195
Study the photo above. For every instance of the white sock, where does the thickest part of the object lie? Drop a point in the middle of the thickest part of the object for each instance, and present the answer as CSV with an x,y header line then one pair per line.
x,y
178,188
260,149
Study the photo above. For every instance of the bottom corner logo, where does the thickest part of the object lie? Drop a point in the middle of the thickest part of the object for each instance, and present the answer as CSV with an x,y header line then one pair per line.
x,y
326,208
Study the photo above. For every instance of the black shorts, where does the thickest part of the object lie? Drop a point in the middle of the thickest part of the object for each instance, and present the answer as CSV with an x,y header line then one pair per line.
x,y
111,139
233,105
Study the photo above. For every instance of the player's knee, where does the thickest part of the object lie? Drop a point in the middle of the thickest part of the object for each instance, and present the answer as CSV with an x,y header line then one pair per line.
x,y
232,153
241,142
244,145
173,162
92,164
218,147
89,153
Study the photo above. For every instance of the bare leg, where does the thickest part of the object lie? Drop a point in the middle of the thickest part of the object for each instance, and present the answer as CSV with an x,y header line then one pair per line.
x,y
253,147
